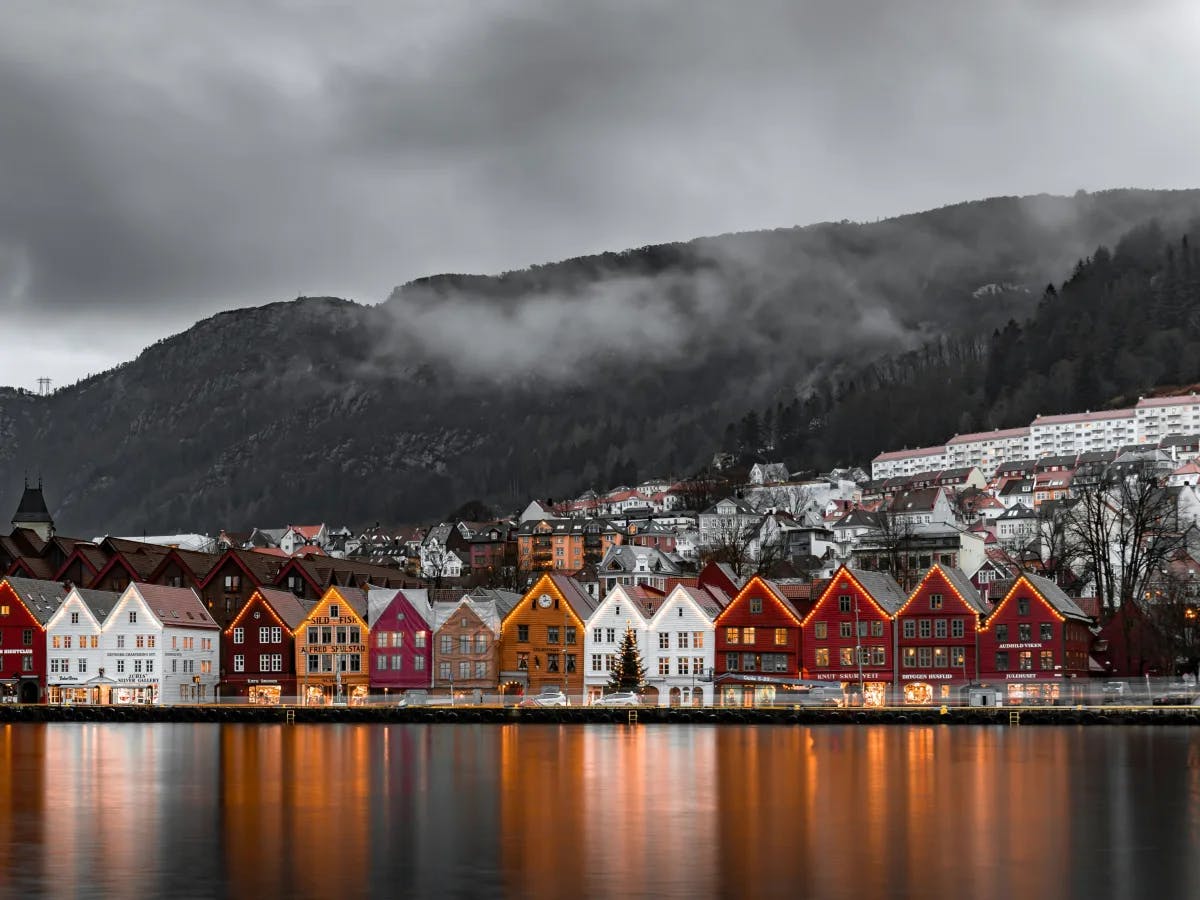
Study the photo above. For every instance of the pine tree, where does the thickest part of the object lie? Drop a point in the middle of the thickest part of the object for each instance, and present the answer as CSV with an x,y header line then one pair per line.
x,y
628,673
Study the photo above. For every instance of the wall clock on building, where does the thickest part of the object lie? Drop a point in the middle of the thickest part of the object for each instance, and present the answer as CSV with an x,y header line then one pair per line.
x,y
545,600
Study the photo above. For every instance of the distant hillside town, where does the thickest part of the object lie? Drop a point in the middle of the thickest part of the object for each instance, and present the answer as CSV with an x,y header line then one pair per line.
x,y
746,584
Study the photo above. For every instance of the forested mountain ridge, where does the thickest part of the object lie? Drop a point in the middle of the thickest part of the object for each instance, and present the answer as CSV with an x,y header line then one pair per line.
x,y
556,378
1124,324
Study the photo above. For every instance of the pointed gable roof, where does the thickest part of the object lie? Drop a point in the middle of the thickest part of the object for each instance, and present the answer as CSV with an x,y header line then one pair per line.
x,y
290,609
758,583
958,582
41,598
880,588
177,607
1050,593
32,507
259,569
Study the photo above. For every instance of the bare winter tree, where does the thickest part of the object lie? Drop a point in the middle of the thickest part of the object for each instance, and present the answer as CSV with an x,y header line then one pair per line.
x,y
1173,612
733,543
795,500
894,536
1055,544
1126,531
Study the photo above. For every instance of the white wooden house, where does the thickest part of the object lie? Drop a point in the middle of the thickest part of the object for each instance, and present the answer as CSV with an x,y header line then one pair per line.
x,y
73,654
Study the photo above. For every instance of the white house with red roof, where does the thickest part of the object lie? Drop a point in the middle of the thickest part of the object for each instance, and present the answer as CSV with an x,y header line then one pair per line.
x,y
299,536
1187,475
624,606
159,645
908,462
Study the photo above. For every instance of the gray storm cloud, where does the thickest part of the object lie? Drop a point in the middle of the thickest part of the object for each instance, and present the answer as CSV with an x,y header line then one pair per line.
x,y
160,162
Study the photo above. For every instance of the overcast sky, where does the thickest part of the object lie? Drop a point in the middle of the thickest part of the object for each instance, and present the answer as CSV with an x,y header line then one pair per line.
x,y
160,161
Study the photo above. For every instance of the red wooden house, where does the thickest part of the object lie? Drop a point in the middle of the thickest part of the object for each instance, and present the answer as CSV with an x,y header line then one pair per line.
x,y
401,648
26,606
128,562
233,578
82,565
936,633
258,649
849,636
757,646
1036,642
183,568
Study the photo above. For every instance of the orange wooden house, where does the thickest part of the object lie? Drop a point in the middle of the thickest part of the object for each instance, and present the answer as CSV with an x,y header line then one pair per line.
x,y
541,638
331,649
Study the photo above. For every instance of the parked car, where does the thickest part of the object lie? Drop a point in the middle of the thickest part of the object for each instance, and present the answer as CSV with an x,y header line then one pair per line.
x,y
548,697
619,698
1113,691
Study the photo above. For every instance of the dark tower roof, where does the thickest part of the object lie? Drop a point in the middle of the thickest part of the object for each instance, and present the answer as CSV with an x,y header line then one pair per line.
x,y
32,508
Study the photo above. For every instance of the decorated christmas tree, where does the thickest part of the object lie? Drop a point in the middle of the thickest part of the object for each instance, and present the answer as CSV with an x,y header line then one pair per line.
x,y
628,673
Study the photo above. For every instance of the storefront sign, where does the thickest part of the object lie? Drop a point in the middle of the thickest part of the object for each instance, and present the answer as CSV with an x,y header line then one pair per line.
x,y
1025,646
1012,676
18,650
334,648
927,676
340,620
852,677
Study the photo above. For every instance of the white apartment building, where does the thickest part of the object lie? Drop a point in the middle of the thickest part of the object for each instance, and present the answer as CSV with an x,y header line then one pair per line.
x,y
1074,433
73,655
987,450
908,462
1159,417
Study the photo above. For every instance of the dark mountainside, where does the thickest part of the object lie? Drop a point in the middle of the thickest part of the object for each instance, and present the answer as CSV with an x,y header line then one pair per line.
x,y
552,379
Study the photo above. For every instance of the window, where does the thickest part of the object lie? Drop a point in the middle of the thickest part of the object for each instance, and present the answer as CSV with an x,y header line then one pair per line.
x,y
133,617
957,628
233,583
925,657
1046,660
958,657
356,663
935,601
1024,632
74,618
939,628
397,662
781,637
1025,660
822,656
381,663
341,634
120,642
551,662
731,661
120,667
26,662
523,661
335,611
731,635
597,635
239,662
876,629
149,666
464,670
447,644
748,663
909,657
747,635
941,659
1022,606
239,635
264,635
444,671
847,656
27,638
925,628
4,610
419,640
552,634
878,656
611,635
1047,631
597,662
569,635
844,603
756,605
610,661
683,639
846,629
910,628
821,630
698,639
67,642
1002,633
682,666
464,644
397,638
664,640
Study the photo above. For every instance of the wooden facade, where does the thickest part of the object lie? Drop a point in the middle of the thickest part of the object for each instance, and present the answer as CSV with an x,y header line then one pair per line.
x,y
937,630
757,646
258,648
25,606
331,650
541,638
849,636
1036,644
401,654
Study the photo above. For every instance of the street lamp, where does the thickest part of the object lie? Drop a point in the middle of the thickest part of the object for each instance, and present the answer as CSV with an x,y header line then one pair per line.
x,y
858,652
